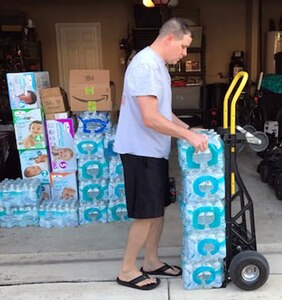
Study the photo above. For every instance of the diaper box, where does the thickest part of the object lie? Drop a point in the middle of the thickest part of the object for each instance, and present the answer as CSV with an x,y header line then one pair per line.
x,y
61,145
29,128
63,186
24,88
35,164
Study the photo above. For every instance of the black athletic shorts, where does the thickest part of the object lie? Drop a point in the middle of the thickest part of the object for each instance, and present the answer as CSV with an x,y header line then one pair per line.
x,y
146,186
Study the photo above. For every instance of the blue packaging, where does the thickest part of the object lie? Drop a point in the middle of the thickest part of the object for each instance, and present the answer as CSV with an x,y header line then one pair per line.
x,y
92,191
18,216
93,213
95,168
58,213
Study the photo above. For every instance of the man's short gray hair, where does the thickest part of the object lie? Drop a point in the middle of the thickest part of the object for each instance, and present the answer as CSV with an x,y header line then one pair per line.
x,y
176,26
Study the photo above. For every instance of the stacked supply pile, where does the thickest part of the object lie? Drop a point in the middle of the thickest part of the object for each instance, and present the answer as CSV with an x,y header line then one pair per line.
x,y
29,126
101,192
62,210
117,210
19,201
93,166
202,213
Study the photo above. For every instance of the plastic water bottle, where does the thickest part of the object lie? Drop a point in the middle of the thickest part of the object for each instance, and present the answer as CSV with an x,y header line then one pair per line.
x,y
18,216
117,190
206,275
198,216
90,191
115,167
211,158
89,146
117,212
58,213
95,168
93,213
93,122
208,245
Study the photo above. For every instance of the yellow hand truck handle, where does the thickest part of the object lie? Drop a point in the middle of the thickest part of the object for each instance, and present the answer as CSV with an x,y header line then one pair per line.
x,y
244,75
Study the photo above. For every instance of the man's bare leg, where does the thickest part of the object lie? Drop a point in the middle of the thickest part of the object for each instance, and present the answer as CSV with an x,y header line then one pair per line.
x,y
151,260
137,236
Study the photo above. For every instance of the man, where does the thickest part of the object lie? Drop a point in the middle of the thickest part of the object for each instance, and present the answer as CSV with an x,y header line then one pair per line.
x,y
146,125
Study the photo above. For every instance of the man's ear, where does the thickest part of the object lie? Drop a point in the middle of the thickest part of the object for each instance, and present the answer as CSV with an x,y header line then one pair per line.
x,y
169,38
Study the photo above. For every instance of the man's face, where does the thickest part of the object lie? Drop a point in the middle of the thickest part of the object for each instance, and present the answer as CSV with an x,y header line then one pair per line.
x,y
177,48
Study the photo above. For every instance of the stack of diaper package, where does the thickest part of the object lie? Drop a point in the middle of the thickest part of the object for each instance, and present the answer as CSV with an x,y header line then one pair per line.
x,y
31,142
202,210
61,208
100,180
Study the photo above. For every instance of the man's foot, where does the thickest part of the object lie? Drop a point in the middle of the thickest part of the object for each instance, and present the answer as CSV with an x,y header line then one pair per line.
x,y
142,282
164,270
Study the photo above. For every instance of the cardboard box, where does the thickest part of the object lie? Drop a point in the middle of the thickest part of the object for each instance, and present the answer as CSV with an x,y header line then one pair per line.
x,y
57,116
90,90
29,128
24,88
54,100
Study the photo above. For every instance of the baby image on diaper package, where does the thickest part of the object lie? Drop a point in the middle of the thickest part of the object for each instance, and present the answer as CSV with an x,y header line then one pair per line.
x,y
35,164
61,145
63,186
29,128
24,88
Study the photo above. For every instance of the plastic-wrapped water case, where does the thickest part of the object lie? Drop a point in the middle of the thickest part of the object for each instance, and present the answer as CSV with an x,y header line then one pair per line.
x,y
202,216
115,167
93,122
116,189
20,192
208,186
93,213
58,213
95,168
91,191
117,212
89,146
202,275
213,157
18,216
208,245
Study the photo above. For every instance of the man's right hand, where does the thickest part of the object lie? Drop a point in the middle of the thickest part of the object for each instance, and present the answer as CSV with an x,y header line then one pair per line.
x,y
197,140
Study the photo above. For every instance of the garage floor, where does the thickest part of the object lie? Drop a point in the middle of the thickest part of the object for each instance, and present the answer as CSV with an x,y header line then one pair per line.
x,y
95,237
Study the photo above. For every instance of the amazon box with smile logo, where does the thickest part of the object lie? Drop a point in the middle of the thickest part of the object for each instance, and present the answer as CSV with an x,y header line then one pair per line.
x,y
90,90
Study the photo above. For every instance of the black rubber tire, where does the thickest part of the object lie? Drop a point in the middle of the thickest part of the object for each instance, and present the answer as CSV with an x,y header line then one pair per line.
x,y
264,173
278,187
241,267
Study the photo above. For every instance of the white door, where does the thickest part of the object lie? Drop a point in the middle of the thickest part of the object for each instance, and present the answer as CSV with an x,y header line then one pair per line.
x,y
78,47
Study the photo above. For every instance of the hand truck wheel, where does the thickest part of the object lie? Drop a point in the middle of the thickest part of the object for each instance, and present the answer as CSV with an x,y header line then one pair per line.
x,y
249,270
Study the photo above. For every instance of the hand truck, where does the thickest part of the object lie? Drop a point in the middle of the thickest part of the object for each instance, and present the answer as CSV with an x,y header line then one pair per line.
x,y
244,266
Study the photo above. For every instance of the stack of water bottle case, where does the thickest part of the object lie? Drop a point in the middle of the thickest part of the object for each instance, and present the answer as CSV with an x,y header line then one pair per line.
x,y
70,173
202,210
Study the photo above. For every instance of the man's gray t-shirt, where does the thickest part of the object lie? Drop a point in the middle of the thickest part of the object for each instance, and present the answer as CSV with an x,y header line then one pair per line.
x,y
146,75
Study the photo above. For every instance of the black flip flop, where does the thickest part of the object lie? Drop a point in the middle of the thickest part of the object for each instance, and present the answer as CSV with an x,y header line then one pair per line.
x,y
162,271
133,283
